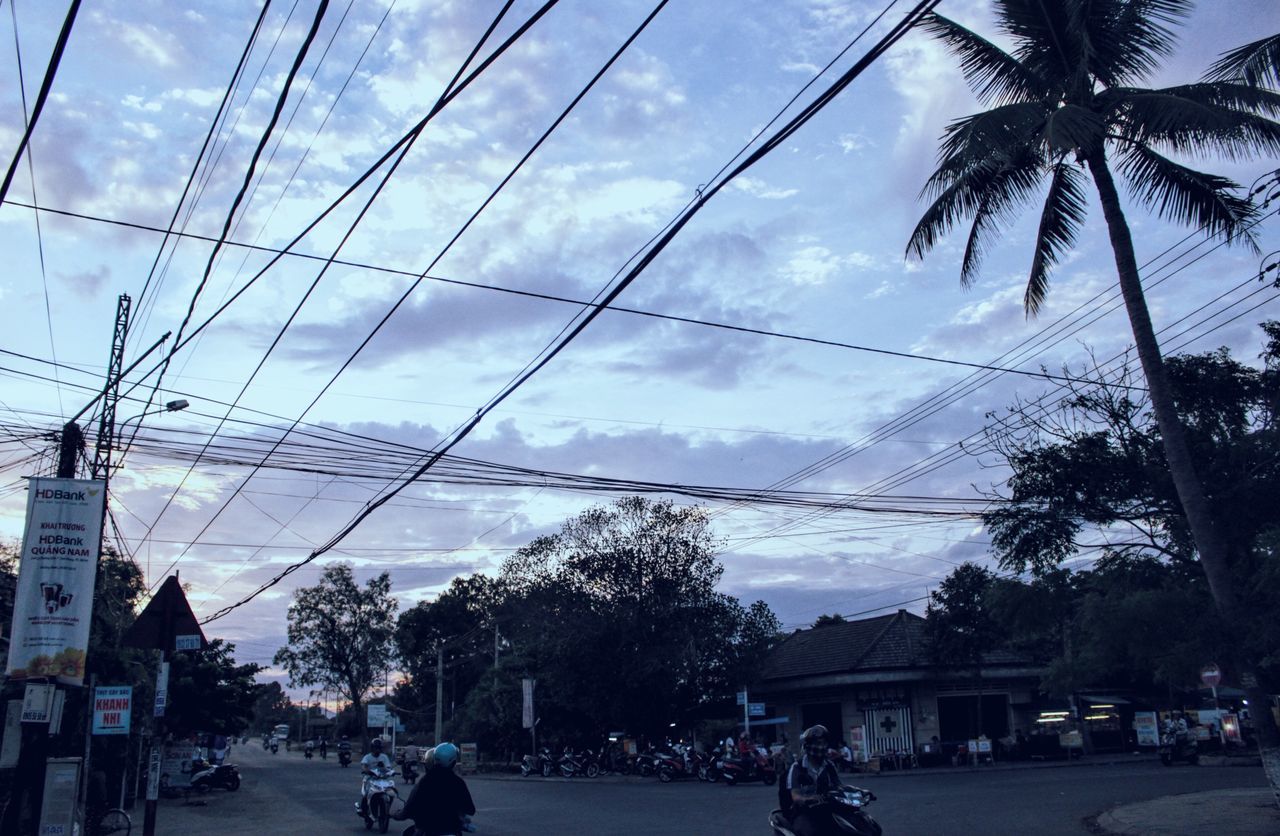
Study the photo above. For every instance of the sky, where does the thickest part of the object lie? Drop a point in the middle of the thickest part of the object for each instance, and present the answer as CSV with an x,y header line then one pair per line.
x,y
829,381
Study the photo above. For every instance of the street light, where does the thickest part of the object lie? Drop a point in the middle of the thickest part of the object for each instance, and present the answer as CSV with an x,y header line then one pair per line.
x,y
170,406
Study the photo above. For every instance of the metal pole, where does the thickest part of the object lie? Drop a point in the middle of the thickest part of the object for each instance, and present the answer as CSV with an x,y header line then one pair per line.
x,y
439,692
746,712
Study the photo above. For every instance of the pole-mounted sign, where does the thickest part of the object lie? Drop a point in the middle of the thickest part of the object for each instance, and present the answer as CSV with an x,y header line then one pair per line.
x,y
54,601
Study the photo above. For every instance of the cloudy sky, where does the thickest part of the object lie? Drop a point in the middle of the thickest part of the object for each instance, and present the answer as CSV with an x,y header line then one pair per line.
x,y
808,243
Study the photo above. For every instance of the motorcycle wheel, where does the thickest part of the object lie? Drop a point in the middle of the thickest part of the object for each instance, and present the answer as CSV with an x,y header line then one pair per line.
x,y
201,787
1166,759
664,775
546,770
233,783
593,770
384,820
731,778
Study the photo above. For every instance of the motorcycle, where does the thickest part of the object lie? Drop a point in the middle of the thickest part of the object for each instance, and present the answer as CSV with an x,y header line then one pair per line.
x,y
409,769
672,768
379,793
646,764
275,746
579,764
542,765
843,811
266,743
1178,746
344,757
306,753
748,768
206,776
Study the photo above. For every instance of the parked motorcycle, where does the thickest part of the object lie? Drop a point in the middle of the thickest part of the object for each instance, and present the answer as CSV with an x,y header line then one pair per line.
x,y
206,776
1178,746
541,764
582,763
672,768
841,811
749,768
379,793
646,763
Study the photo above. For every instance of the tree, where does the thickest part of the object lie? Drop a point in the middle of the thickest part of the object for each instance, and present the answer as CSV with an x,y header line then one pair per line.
x,y
1063,101
340,634
618,618
209,692
1091,469
826,620
960,629
271,707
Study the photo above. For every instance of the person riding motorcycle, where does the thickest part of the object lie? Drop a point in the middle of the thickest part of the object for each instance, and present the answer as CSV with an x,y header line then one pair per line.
x,y
440,804
807,781
375,759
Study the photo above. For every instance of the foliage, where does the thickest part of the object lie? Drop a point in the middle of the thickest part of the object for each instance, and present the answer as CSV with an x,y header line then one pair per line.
x,y
1066,96
340,634
271,707
8,583
826,620
462,618
209,692
959,626
1092,470
617,618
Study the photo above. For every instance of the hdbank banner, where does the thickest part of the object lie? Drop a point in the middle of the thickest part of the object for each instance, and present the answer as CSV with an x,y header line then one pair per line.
x,y
54,601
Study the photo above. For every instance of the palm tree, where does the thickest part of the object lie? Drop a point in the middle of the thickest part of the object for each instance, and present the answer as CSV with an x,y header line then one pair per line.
x,y
1064,108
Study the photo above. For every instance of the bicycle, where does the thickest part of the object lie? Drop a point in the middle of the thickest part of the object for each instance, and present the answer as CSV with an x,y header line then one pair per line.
x,y
111,821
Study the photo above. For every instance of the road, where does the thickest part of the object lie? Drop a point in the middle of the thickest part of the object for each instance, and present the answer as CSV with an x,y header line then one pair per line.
x,y
286,794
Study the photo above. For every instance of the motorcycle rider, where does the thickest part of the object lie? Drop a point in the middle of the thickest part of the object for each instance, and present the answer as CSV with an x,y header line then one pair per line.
x,y
375,759
344,749
324,747
440,804
807,781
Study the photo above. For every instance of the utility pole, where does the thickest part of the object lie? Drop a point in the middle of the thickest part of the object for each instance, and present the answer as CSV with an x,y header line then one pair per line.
x,y
495,645
439,692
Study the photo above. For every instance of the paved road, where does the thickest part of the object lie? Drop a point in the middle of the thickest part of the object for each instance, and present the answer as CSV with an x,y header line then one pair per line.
x,y
285,794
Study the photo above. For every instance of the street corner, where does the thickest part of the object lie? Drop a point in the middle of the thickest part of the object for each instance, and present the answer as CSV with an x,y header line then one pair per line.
x,y
1240,812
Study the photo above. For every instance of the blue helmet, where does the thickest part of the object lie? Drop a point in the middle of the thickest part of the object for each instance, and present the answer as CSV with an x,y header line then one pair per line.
x,y
446,755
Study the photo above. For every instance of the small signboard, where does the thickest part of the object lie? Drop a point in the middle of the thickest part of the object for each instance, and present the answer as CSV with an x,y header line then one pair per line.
x,y
61,791
37,702
526,710
187,642
377,716
1147,728
858,744
742,698
755,709
11,745
468,757
112,708
1211,675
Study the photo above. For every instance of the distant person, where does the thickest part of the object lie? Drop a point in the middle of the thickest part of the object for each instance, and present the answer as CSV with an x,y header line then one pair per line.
x,y
846,757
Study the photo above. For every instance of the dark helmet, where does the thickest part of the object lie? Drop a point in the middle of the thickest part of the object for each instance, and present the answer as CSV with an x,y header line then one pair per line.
x,y
814,741
376,743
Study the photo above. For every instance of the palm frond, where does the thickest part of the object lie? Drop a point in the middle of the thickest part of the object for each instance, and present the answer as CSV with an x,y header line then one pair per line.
x,y
1129,37
1072,128
994,76
1256,64
1196,119
1007,189
995,133
1190,197
1060,222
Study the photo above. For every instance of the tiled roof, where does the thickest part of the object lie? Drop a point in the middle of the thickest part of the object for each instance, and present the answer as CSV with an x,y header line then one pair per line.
x,y
887,641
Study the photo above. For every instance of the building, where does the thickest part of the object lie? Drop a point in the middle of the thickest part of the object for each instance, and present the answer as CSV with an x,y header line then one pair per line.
x,y
875,675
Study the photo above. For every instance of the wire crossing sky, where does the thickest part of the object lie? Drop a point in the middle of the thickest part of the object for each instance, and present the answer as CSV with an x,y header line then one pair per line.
x,y
777,360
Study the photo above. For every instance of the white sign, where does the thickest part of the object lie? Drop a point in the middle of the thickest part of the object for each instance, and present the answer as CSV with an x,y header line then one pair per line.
x,y
1211,675
377,716
755,709
37,702
54,601
186,642
1147,728
162,690
112,707
742,698
526,713
12,743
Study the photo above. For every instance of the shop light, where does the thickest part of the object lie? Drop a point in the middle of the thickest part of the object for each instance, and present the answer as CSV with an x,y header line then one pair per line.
x,y
1053,719
1104,705
1098,717
1054,713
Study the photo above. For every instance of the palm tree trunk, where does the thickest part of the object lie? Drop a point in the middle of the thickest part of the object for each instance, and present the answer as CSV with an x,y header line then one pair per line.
x,y
1209,542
